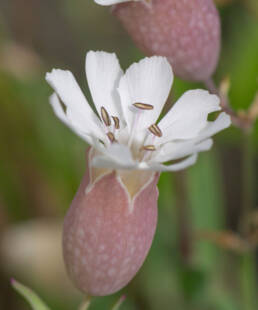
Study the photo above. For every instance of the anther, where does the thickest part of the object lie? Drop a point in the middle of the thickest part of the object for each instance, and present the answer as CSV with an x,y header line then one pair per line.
x,y
111,137
116,121
154,129
143,106
149,148
105,116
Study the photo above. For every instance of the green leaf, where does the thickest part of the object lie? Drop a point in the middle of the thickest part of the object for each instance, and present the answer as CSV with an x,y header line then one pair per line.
x,y
32,298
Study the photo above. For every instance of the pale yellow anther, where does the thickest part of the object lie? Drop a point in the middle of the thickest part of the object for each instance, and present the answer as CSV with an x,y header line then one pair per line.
x,y
154,129
105,116
111,137
143,106
149,148
116,122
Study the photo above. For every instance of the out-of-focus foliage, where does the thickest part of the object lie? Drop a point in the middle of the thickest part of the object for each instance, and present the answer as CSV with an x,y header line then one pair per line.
x,y
30,296
41,163
37,304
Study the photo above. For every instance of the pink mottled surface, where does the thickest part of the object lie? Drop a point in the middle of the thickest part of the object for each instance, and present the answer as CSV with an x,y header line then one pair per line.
x,y
187,32
104,244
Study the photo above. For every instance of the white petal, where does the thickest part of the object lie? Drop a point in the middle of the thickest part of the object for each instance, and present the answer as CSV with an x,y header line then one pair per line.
x,y
149,82
117,156
205,145
78,110
59,112
106,162
180,149
223,121
188,116
120,152
110,2
175,167
103,74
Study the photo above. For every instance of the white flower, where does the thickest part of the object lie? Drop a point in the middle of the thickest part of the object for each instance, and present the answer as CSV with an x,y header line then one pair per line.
x,y
125,133
111,2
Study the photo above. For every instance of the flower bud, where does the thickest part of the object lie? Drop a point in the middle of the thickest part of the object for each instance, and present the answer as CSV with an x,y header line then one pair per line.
x,y
186,32
109,228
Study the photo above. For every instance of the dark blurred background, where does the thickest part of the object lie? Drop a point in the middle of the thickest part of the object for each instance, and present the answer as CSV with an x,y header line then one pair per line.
x,y
203,255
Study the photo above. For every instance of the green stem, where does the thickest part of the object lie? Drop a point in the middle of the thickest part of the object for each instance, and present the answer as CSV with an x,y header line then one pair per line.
x,y
247,270
185,234
248,281
85,305
119,303
237,120
248,181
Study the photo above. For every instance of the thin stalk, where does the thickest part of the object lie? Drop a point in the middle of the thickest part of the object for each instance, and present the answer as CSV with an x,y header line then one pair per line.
x,y
237,120
247,264
119,303
85,305
248,281
248,181
184,221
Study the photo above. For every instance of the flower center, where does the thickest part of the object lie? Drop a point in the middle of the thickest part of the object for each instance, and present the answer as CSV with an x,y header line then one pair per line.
x,y
142,152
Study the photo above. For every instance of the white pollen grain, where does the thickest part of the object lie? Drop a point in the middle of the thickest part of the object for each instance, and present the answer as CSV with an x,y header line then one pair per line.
x,y
102,247
98,221
124,271
80,232
126,261
105,287
132,249
105,257
98,274
84,261
114,260
111,272
77,252
155,46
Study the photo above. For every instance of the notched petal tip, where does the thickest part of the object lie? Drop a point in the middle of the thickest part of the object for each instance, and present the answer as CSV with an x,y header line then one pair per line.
x,y
103,73
225,120
111,2
56,73
100,53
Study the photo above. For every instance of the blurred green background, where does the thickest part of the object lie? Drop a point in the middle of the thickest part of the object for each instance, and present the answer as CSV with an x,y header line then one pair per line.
x,y
207,215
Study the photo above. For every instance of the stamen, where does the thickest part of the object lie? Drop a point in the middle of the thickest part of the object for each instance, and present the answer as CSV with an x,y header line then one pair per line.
x,y
105,116
154,129
149,148
111,137
116,121
143,106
